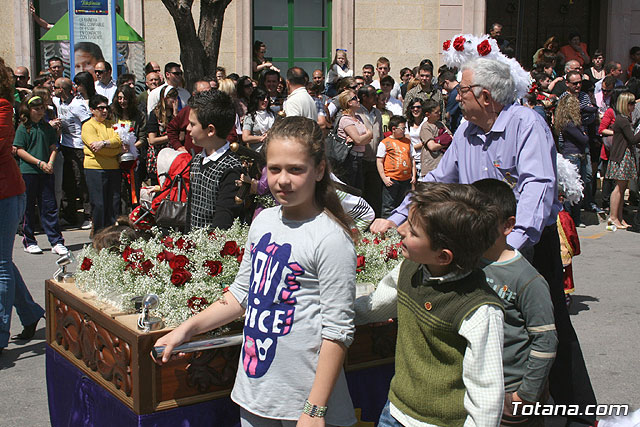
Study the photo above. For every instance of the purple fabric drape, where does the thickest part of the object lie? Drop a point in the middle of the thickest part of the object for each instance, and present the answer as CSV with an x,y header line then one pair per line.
x,y
77,400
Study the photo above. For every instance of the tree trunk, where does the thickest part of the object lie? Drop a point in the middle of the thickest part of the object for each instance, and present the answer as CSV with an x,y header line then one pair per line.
x,y
198,50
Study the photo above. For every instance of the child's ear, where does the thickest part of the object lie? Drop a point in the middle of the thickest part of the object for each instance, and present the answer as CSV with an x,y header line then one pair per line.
x,y
445,257
211,130
509,224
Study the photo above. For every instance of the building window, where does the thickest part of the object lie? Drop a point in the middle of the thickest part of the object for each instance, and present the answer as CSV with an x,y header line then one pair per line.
x,y
296,32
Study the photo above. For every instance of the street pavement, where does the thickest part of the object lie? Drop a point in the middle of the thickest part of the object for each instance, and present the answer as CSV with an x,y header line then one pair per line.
x,y
605,313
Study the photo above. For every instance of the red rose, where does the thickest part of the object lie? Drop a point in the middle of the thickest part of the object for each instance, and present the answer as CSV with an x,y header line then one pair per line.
x,y
376,241
484,48
365,240
181,243
458,43
215,267
86,264
168,242
180,276
239,258
446,45
165,256
146,266
197,304
360,263
179,262
131,255
392,253
230,248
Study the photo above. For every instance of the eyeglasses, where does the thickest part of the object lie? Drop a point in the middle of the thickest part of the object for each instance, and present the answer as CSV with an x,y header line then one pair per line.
x,y
353,87
355,98
21,77
416,107
100,71
57,87
101,108
464,89
574,83
176,73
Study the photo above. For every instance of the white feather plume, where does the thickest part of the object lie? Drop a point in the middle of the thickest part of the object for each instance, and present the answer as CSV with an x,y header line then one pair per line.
x,y
568,180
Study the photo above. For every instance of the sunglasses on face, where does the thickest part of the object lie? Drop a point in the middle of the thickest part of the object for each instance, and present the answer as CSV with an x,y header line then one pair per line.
x,y
355,98
101,108
416,107
176,73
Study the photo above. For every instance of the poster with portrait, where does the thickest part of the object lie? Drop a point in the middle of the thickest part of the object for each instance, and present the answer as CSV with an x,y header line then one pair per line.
x,y
92,31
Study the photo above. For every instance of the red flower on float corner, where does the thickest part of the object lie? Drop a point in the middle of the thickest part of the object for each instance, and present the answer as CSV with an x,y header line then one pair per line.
x,y
360,263
215,267
180,276
168,242
197,304
86,264
458,43
484,48
446,45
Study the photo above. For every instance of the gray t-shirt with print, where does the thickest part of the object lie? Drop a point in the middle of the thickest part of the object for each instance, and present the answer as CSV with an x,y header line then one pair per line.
x,y
297,283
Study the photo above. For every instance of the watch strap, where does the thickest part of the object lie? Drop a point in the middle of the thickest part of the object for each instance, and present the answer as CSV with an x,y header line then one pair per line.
x,y
314,410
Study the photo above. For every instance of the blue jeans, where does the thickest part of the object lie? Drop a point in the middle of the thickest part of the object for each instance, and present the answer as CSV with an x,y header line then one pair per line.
x,y
386,420
41,191
13,291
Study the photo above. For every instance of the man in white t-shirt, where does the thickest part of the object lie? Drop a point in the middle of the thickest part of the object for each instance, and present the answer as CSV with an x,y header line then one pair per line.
x,y
383,66
394,105
172,77
105,85
72,112
299,102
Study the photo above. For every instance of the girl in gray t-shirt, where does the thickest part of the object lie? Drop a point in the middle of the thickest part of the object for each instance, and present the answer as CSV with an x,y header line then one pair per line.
x,y
296,288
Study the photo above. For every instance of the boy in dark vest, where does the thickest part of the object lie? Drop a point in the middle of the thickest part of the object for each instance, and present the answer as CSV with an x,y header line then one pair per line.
x,y
216,168
530,338
450,323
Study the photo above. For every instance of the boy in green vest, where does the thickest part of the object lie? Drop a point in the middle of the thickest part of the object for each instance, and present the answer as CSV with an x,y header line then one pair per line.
x,y
450,323
530,338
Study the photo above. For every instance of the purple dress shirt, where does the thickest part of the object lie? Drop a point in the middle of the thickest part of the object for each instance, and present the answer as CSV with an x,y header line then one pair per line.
x,y
519,149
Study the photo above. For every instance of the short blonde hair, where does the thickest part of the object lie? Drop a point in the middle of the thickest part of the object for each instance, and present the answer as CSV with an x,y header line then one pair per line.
x,y
622,105
344,98
227,86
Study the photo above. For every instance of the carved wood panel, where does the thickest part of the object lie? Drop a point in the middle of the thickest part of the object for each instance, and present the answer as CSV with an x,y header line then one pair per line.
x,y
99,349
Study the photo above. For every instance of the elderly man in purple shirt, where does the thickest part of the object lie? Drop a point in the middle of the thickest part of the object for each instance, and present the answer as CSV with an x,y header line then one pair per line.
x,y
512,143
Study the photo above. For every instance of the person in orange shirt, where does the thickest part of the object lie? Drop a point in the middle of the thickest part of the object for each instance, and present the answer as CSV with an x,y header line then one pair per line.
x,y
395,165
634,55
575,50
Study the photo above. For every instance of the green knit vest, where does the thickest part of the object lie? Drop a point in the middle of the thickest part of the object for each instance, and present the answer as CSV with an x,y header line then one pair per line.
x,y
427,384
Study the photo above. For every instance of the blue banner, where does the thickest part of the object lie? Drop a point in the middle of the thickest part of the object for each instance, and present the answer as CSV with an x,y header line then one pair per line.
x,y
91,7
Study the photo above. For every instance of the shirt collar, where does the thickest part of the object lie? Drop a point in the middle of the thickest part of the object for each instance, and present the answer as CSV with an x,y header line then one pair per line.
x,y
499,126
215,155
429,280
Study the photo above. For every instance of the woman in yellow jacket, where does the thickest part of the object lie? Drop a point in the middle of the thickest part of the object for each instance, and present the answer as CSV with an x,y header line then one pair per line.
x,y
102,146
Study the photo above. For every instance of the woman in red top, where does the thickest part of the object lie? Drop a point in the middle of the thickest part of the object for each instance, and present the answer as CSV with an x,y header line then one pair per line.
x,y
13,290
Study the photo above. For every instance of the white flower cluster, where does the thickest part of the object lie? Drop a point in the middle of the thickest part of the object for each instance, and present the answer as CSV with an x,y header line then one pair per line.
x,y
183,269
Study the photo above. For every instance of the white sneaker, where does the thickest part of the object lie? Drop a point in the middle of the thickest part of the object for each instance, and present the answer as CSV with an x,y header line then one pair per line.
x,y
59,249
86,225
33,249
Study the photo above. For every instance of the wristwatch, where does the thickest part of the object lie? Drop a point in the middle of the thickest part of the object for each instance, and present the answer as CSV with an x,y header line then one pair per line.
x,y
313,410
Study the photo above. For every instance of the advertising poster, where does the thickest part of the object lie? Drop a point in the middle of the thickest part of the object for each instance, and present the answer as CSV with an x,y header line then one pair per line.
x,y
92,34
